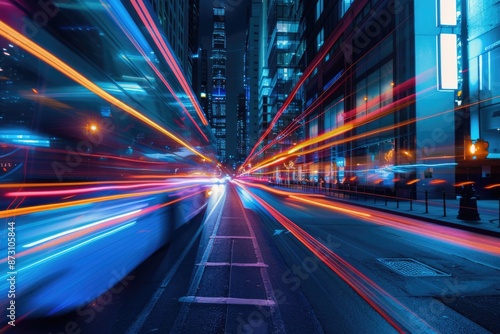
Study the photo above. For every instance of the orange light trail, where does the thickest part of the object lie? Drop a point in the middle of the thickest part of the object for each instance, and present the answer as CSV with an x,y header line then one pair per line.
x,y
39,52
463,183
332,207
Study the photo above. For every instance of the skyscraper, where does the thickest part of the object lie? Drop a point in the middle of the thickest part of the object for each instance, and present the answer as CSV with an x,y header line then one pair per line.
x,y
281,38
218,94
193,43
252,68
241,128
203,89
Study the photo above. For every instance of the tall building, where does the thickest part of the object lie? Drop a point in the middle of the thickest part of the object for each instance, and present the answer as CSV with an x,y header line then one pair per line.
x,y
203,95
282,24
382,77
218,91
241,128
193,64
252,70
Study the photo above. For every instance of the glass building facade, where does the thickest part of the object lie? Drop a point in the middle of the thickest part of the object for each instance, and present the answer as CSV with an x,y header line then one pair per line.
x,y
374,94
218,92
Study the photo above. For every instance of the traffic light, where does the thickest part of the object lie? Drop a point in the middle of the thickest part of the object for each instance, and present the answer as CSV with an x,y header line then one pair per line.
x,y
475,149
481,148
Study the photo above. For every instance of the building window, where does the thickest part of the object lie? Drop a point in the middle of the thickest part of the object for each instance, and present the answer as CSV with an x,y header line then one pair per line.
x,y
319,9
375,91
332,113
345,4
320,39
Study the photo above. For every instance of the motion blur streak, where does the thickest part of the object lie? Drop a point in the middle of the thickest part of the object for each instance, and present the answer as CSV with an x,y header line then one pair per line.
x,y
80,191
332,207
276,191
156,70
67,70
476,242
72,184
100,236
73,234
148,23
79,228
395,313
44,207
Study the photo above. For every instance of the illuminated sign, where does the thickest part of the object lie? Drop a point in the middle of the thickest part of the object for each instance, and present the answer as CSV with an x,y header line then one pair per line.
x,y
447,62
447,13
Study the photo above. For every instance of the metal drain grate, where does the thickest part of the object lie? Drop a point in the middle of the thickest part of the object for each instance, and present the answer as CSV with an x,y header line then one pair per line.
x,y
411,267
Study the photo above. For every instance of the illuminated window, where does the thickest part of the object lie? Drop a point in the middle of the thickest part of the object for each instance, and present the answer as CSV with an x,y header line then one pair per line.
x,y
345,4
320,39
319,9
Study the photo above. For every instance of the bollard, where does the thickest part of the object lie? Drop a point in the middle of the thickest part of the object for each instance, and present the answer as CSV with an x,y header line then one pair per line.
x,y
426,203
444,203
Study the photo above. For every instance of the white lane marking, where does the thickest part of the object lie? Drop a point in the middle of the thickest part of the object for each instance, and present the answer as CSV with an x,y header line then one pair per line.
x,y
143,316
227,301
225,264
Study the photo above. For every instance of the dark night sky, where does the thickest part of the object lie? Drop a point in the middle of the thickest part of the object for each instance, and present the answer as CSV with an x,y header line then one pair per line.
x,y
236,18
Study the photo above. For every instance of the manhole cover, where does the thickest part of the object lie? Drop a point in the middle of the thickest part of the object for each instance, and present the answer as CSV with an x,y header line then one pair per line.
x,y
411,267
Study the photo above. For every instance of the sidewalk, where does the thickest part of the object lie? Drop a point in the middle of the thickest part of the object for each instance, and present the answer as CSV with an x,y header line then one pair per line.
x,y
437,212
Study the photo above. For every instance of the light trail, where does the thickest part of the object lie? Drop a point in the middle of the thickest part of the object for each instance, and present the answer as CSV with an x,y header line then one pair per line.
x,y
449,235
42,54
331,40
53,206
394,312
155,69
148,22
74,191
82,231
